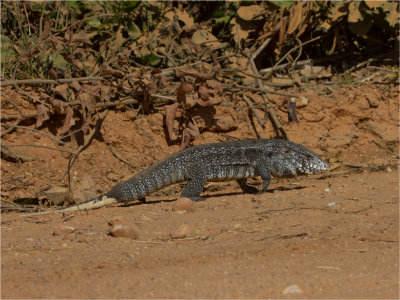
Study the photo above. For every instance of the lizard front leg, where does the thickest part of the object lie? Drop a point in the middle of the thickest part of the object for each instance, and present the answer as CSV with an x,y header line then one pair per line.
x,y
247,189
264,171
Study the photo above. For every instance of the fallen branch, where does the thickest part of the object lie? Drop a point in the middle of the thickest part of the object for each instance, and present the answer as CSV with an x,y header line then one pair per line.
x,y
290,51
260,90
275,84
37,131
88,140
47,81
246,99
118,157
165,100
275,122
37,146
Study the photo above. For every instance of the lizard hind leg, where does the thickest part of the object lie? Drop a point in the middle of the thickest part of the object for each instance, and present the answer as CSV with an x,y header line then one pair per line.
x,y
193,188
247,189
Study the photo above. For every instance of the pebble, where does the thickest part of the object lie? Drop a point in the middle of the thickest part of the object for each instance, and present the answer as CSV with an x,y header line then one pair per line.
x,y
331,204
37,135
183,205
119,229
292,289
182,232
66,155
63,229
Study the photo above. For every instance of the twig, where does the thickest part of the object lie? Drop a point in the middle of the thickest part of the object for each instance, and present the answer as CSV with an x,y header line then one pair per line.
x,y
47,81
18,117
166,100
290,51
277,125
38,131
300,52
261,90
261,48
260,77
37,146
246,99
5,208
19,120
360,65
314,61
11,180
118,157
84,146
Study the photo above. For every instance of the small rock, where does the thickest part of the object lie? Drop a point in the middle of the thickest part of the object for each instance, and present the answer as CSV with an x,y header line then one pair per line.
x,y
63,229
112,177
302,102
331,204
66,155
182,232
292,289
37,135
84,188
119,229
183,205
116,221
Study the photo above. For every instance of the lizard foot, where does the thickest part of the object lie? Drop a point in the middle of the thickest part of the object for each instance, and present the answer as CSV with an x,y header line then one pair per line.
x,y
197,199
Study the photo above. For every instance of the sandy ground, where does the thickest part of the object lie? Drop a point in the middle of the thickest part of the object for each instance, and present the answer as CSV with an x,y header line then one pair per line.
x,y
334,235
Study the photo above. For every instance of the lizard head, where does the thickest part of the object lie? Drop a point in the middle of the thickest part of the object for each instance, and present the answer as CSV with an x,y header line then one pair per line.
x,y
291,159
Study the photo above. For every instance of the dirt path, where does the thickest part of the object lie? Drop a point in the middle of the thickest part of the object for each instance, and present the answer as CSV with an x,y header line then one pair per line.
x,y
335,237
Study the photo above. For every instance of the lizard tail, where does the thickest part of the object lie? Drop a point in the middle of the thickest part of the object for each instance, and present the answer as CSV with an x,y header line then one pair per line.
x,y
93,203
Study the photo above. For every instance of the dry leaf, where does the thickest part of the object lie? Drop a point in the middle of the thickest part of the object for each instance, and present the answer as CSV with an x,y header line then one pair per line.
x,y
93,90
296,19
62,91
69,121
170,114
105,91
191,100
190,45
205,103
249,13
88,103
42,115
58,105
183,89
75,85
206,37
46,31
81,37
203,92
214,85
194,130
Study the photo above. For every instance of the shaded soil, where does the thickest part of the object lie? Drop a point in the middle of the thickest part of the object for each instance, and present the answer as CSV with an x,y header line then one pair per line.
x,y
334,235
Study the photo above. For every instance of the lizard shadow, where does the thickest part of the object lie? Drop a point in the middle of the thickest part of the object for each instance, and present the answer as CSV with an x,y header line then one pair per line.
x,y
281,188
